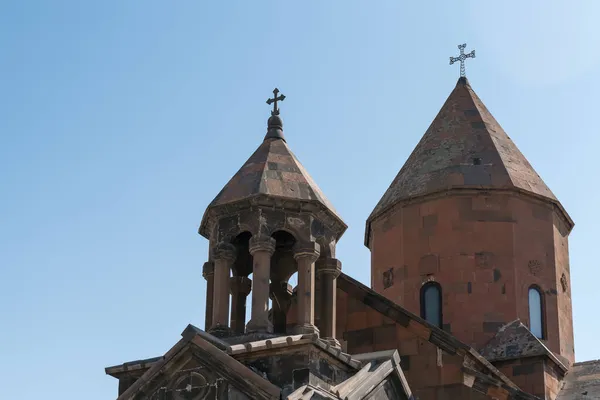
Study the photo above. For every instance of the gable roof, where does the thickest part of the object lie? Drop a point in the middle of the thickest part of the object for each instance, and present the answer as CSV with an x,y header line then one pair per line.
x,y
216,359
488,382
515,340
464,147
362,385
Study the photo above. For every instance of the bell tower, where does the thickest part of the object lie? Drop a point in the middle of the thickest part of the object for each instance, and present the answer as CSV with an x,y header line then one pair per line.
x,y
270,221
470,237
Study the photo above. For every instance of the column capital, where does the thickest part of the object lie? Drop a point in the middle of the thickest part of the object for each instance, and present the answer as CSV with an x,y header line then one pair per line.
x,y
329,266
310,250
225,251
240,284
262,243
208,269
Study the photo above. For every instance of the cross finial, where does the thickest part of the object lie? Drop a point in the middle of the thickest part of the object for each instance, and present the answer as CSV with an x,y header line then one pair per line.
x,y
274,101
462,57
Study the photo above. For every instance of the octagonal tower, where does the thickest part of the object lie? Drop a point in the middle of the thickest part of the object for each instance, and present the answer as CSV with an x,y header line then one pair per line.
x,y
470,237
271,220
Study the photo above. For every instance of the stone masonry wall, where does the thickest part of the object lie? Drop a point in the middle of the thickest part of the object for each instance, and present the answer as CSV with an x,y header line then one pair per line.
x,y
485,251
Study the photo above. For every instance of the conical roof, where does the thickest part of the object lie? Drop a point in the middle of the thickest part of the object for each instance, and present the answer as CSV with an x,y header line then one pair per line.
x,y
273,170
464,147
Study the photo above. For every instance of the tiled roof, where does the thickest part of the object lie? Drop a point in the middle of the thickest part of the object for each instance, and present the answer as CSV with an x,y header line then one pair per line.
x,y
515,340
272,170
464,147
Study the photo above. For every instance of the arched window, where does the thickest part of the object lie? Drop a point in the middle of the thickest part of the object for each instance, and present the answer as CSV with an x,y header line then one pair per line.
x,y
431,303
536,312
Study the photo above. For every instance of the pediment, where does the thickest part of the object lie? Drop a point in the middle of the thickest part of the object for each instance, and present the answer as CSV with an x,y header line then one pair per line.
x,y
195,369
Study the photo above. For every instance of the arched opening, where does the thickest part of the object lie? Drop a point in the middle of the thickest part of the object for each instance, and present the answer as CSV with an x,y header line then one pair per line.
x,y
536,312
431,303
283,267
293,279
243,262
240,284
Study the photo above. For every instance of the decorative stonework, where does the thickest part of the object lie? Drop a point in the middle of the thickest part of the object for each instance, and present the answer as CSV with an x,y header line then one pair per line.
x,y
535,267
388,278
188,385
564,283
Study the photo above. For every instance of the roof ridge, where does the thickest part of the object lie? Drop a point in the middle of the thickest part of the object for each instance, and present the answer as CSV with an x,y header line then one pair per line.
x,y
502,345
485,114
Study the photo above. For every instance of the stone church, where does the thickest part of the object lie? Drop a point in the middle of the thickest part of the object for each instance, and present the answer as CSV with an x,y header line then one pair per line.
x,y
470,294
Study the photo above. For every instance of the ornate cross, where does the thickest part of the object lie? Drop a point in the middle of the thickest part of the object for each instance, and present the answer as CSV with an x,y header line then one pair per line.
x,y
274,101
462,57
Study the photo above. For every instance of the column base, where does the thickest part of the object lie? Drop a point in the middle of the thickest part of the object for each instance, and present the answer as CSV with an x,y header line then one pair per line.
x,y
220,331
259,326
306,329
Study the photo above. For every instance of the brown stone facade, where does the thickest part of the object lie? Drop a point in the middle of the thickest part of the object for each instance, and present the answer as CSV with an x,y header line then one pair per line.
x,y
485,249
437,364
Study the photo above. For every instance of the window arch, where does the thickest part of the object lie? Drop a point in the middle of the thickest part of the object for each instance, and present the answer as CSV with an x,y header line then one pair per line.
x,y
536,312
431,303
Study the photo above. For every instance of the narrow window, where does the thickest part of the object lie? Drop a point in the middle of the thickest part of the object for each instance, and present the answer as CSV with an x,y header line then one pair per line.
x,y
536,312
431,303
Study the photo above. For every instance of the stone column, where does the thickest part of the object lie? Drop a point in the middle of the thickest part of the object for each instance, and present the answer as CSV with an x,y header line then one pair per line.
x,y
208,272
306,254
328,271
240,288
281,295
261,249
224,256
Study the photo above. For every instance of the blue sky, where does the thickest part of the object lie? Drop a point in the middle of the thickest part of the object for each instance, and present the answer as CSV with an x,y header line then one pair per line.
x,y
121,120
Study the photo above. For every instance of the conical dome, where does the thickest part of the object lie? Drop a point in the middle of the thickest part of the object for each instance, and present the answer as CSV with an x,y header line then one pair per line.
x,y
274,171
464,147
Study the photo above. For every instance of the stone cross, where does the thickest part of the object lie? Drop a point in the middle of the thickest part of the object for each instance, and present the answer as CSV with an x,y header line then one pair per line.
x,y
274,101
462,57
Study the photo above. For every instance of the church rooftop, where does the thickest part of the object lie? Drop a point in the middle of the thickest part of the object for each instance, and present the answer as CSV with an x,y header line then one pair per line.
x,y
464,147
273,171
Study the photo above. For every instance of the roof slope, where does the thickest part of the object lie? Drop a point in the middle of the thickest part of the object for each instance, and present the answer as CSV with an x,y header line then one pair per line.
x,y
376,380
488,379
582,382
213,357
515,340
464,147
275,171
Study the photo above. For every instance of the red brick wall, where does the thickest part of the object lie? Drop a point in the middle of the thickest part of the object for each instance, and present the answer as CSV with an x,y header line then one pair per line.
x,y
485,251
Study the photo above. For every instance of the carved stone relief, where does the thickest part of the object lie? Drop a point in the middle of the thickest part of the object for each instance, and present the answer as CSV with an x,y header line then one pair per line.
x,y
192,384
564,283
535,267
388,278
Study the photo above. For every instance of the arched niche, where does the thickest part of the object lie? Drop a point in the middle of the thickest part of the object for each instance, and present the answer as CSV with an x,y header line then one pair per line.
x,y
243,262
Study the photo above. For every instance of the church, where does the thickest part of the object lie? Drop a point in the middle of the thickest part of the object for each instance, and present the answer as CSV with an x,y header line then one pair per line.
x,y
470,294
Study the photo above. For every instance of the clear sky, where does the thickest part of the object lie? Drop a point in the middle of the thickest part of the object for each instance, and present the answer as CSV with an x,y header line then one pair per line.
x,y
121,120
